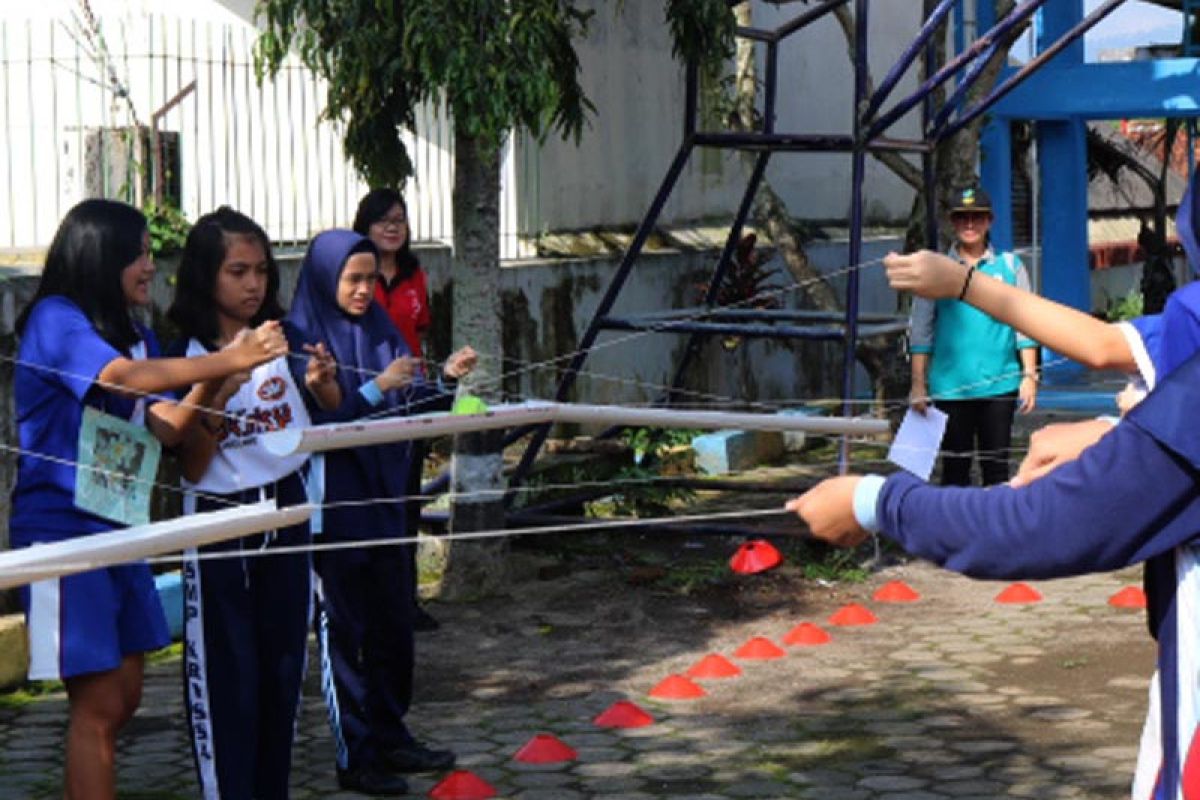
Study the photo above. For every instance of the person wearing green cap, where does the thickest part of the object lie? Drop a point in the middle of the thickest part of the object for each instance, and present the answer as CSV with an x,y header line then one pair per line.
x,y
971,366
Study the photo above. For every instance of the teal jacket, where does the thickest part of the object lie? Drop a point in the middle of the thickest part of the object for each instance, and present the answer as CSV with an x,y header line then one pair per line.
x,y
971,354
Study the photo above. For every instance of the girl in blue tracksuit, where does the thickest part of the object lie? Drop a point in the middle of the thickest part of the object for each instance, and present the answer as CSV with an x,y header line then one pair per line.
x,y
1131,494
83,360
365,594
247,613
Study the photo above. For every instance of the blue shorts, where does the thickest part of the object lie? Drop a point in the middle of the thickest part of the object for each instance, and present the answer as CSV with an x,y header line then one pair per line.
x,y
88,622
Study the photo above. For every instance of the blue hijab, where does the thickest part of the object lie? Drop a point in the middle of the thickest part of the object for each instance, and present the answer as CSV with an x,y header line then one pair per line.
x,y
1173,337
363,345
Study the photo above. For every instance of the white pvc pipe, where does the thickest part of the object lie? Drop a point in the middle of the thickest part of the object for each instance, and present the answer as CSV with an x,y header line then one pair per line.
x,y
718,420
341,435
397,429
42,561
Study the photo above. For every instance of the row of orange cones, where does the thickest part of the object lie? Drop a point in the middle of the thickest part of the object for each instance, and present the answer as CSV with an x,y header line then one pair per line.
x,y
760,555
545,748
716,666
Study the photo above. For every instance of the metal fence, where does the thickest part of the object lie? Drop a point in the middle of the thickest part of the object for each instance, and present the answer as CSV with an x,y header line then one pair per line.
x,y
88,111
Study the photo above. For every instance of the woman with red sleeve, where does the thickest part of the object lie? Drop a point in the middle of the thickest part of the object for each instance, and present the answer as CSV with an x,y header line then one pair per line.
x,y
402,291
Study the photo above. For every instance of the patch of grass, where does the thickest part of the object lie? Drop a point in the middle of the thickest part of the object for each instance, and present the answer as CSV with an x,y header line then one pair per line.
x,y
687,578
172,652
839,566
30,692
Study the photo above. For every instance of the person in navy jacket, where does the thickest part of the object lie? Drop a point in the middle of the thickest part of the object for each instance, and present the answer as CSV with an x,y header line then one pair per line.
x,y
365,627
1090,496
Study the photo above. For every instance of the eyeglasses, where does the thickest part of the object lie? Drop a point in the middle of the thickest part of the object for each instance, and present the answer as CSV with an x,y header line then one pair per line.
x,y
392,222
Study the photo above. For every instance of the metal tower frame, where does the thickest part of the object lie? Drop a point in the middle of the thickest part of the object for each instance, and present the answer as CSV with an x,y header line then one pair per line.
x,y
869,134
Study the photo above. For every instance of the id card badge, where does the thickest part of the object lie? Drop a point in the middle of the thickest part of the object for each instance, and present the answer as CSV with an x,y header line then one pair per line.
x,y
118,462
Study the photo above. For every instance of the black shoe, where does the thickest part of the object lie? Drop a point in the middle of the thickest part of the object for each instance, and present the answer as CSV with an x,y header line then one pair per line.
x,y
418,758
423,621
372,782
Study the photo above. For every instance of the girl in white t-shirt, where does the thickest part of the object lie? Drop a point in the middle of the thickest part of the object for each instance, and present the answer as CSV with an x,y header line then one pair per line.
x,y
246,613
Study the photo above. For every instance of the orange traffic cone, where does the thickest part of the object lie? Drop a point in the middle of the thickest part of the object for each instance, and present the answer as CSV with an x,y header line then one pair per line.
x,y
677,687
807,634
853,614
545,748
623,714
756,556
896,592
714,665
1019,593
1129,597
760,648
462,785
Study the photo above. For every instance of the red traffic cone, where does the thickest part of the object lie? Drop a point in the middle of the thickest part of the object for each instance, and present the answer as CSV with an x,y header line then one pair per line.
x,y
1129,597
545,748
462,785
760,648
896,592
714,665
1019,593
807,634
677,687
756,556
623,714
853,614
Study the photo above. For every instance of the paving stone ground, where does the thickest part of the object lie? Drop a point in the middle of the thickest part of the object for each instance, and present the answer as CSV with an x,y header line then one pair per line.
x,y
952,697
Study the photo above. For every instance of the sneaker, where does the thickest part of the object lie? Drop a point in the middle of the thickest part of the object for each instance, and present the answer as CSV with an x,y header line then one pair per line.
x,y
372,781
423,621
417,757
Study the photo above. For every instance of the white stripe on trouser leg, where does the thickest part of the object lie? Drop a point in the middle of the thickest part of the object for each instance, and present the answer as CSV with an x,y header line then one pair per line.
x,y
196,671
1150,757
1187,612
45,630
328,684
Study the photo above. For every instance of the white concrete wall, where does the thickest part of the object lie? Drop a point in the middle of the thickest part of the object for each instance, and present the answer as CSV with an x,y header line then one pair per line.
x,y
637,87
610,178
816,79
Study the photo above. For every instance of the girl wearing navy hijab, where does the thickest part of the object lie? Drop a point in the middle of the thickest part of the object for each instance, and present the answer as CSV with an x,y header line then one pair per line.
x,y
365,626
1112,495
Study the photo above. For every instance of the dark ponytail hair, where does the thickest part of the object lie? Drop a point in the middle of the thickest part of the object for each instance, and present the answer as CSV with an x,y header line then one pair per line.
x,y
373,207
95,242
194,310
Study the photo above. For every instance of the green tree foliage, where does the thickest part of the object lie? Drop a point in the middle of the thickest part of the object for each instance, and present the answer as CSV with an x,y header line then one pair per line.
x,y
500,64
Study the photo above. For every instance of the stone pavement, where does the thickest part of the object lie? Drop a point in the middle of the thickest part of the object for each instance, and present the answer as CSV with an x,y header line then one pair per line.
x,y
955,696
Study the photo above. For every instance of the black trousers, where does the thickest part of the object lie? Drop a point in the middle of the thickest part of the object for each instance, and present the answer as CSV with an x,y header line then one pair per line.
x,y
984,426
366,641
244,656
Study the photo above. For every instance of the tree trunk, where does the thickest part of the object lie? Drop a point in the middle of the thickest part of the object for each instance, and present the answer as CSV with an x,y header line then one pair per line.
x,y
476,568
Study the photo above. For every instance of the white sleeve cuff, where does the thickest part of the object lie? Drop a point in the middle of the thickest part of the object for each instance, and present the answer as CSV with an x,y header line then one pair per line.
x,y
866,498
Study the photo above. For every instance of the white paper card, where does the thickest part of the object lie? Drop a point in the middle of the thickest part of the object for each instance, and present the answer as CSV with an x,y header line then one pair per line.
x,y
918,441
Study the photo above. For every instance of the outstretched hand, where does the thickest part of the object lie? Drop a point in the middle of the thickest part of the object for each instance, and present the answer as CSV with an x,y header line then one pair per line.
x,y
398,374
322,367
828,510
1055,445
460,362
260,345
925,274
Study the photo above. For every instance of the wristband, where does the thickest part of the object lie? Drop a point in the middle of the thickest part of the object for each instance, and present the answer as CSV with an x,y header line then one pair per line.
x,y
967,282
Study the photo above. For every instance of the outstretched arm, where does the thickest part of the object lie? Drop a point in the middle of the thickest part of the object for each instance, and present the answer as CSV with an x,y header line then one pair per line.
x,y
1125,499
1079,336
